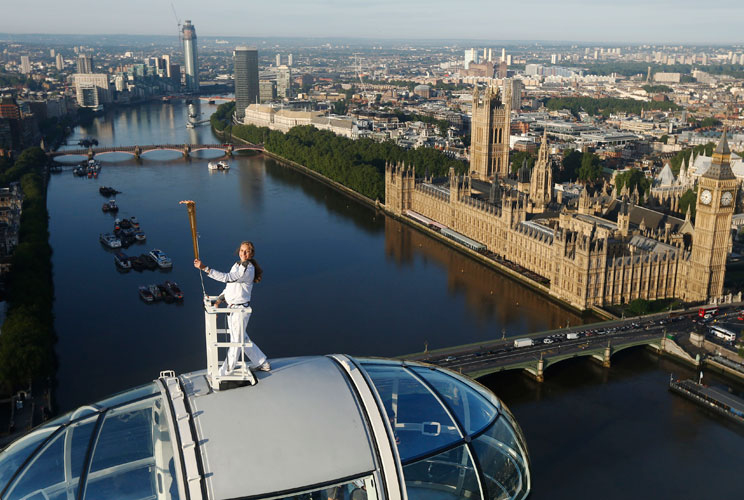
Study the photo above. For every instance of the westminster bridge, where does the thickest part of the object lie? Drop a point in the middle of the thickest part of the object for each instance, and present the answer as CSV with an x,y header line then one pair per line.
x,y
138,151
598,341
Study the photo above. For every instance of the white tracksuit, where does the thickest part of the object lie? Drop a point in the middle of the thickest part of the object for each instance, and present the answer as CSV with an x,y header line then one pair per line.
x,y
237,293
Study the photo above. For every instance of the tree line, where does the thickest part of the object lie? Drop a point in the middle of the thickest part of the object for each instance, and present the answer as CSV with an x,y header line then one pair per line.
x,y
27,339
606,105
357,164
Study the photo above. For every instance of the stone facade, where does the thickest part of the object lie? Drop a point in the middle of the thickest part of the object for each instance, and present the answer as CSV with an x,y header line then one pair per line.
x,y
490,129
604,252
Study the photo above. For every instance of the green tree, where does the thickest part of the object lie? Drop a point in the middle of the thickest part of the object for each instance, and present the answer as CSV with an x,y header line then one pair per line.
x,y
632,178
689,199
518,157
569,166
591,167
340,107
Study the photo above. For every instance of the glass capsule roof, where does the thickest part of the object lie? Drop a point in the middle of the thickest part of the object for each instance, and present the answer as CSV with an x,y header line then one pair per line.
x,y
450,436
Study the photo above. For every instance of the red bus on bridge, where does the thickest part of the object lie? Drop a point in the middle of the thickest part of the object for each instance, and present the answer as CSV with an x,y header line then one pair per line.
x,y
705,311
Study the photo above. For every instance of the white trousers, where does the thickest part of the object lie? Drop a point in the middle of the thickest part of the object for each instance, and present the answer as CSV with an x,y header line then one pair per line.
x,y
237,323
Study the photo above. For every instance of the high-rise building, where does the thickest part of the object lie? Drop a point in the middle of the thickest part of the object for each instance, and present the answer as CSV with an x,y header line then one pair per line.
x,y
92,90
52,53
85,64
59,62
290,60
553,58
516,92
508,59
471,55
266,90
25,65
283,82
278,61
167,65
245,60
503,55
190,56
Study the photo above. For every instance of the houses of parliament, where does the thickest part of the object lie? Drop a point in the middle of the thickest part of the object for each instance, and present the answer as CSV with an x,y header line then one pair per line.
x,y
591,250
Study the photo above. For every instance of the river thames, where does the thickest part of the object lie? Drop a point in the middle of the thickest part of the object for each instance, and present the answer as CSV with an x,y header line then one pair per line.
x,y
341,277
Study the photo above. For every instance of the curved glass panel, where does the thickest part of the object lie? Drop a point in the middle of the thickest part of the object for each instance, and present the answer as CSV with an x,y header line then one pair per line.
x,y
471,409
420,422
133,455
358,489
129,395
503,462
446,476
17,453
55,470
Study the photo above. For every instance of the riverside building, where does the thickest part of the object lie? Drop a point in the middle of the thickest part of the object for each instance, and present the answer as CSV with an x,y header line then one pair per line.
x,y
190,56
245,60
595,250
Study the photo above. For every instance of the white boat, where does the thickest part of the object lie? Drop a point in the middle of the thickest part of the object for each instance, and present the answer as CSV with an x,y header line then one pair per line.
x,y
189,125
161,258
220,165
110,240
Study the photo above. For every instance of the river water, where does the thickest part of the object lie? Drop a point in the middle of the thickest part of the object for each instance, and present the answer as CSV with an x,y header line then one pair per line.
x,y
340,277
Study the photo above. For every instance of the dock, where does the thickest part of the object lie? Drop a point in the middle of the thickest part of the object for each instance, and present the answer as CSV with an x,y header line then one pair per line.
x,y
716,400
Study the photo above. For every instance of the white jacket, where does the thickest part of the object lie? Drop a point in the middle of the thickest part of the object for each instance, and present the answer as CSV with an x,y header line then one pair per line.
x,y
239,282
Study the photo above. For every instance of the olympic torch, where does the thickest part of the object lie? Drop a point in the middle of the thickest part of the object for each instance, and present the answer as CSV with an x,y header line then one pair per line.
x,y
191,207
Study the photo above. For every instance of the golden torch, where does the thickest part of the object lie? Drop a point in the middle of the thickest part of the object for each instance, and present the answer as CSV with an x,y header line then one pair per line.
x,y
191,207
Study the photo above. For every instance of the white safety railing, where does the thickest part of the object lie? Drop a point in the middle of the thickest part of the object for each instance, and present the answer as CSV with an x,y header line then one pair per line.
x,y
217,334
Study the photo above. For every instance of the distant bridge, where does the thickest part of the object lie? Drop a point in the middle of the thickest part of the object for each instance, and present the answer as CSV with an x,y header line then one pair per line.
x,y
138,151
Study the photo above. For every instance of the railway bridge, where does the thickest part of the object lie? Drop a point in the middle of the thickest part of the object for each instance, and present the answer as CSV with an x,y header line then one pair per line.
x,y
138,151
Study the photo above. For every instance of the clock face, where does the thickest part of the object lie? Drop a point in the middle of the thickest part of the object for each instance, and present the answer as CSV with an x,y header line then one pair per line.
x,y
706,197
727,198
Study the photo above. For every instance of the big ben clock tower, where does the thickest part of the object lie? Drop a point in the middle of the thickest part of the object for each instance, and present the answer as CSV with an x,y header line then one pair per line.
x,y
715,207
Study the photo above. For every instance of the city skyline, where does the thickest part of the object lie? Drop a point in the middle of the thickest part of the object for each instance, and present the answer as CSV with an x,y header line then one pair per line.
x,y
665,21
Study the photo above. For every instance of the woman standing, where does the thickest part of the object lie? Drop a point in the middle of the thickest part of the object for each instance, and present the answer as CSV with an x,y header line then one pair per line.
x,y
237,294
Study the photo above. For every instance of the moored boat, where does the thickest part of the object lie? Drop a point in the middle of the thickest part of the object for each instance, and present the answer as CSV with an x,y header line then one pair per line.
x,y
149,262
146,294
122,261
109,240
161,258
110,206
173,290
108,191
155,291
140,236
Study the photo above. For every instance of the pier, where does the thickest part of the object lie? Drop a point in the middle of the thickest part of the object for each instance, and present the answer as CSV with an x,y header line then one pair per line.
x,y
716,400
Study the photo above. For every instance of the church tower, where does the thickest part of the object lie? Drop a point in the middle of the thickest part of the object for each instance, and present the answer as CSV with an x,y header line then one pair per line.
x,y
489,136
715,208
541,183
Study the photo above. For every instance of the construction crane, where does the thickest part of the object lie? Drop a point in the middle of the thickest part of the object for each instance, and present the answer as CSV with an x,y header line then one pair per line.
x,y
178,20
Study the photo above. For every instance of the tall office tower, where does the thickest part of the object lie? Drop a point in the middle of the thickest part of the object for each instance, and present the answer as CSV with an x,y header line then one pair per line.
x,y
283,82
490,55
290,60
485,54
516,93
503,54
245,60
166,65
190,56
52,53
25,65
266,90
490,130
470,56
553,58
508,60
278,60
60,62
85,64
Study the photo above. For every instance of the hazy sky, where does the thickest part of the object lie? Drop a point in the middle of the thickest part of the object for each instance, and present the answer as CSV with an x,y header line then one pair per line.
x,y
622,21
